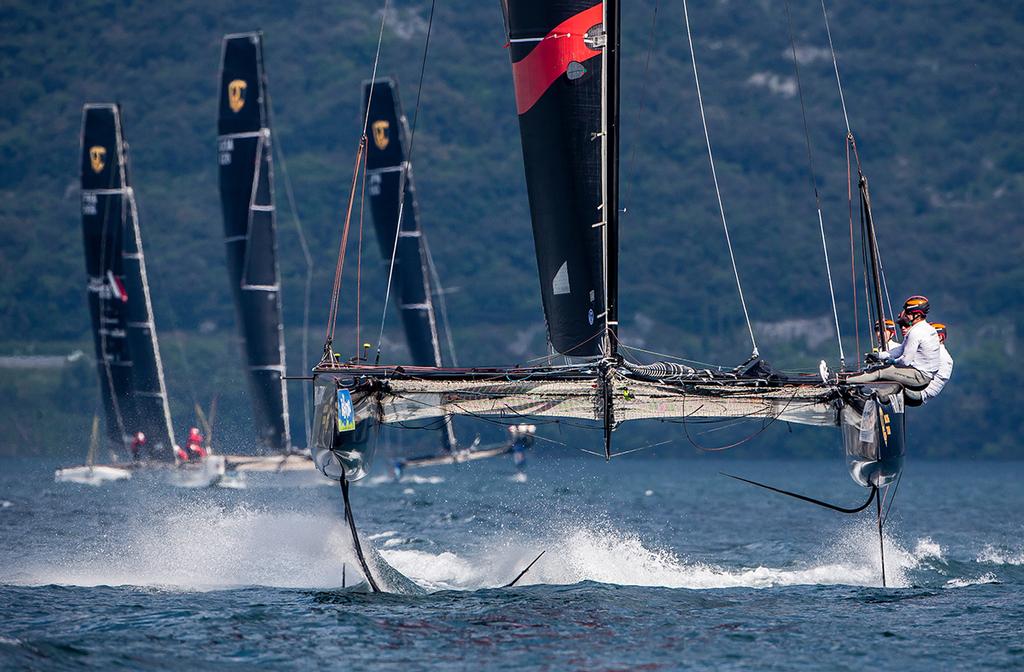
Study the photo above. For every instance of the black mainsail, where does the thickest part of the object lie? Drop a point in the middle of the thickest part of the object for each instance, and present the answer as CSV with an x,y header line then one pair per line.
x,y
389,173
127,352
569,144
250,231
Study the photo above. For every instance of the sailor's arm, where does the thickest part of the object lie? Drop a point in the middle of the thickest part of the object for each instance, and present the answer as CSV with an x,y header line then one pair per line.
x,y
911,344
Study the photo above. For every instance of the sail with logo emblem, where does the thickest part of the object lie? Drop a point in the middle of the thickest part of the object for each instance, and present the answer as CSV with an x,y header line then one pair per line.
x,y
390,182
133,392
250,236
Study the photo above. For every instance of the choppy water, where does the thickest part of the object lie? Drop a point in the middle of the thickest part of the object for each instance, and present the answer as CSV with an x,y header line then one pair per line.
x,y
661,564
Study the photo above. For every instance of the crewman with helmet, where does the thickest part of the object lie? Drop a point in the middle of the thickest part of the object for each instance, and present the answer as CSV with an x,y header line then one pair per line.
x,y
912,363
888,335
194,443
945,366
136,446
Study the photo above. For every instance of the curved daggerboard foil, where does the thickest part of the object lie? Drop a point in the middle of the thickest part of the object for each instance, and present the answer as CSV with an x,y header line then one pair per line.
x,y
250,231
555,47
127,351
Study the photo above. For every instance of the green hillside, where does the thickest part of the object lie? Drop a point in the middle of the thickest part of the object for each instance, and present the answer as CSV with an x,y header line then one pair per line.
x,y
934,95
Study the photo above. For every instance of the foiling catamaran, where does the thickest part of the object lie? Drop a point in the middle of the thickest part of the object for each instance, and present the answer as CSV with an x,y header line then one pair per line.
x,y
565,66
132,389
245,157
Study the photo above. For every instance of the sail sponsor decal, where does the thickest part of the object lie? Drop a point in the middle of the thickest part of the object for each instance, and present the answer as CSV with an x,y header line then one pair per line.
x,y
97,158
346,412
117,287
561,51
381,133
236,94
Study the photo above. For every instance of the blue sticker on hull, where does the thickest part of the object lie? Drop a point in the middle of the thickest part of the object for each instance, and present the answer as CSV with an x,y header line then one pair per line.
x,y
346,412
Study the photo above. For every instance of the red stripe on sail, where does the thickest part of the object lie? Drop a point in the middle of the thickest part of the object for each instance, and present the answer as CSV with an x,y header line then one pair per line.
x,y
549,59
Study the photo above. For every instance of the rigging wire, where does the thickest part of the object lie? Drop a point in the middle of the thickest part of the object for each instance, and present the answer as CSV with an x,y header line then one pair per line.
x,y
336,289
835,66
714,176
435,278
814,183
306,255
359,260
853,253
403,176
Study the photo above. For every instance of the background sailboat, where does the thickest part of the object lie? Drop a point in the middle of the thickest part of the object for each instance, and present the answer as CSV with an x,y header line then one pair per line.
x,y
127,351
250,233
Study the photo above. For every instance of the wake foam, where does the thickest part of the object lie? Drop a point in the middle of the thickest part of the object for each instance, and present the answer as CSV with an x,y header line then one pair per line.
x,y
992,555
207,548
606,555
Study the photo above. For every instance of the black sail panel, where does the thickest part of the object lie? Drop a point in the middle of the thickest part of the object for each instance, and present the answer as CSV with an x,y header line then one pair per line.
x,y
386,166
250,231
389,172
555,49
127,351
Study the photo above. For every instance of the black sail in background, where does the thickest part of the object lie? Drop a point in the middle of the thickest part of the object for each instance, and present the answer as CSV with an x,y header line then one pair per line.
x,y
127,352
555,47
389,172
250,231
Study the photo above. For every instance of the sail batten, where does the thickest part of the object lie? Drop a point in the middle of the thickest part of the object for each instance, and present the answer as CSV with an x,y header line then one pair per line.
x,y
250,231
132,383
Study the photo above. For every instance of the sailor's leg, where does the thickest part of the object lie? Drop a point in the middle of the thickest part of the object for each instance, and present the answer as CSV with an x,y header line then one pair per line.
x,y
913,398
907,376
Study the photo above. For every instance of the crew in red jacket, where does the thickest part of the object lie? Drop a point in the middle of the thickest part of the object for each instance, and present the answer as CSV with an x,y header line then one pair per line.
x,y
194,443
137,444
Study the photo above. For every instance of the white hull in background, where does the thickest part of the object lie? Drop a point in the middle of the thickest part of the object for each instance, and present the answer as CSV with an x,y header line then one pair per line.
x,y
97,474
204,474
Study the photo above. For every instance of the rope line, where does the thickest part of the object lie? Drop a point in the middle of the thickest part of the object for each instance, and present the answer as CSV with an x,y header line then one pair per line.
x,y
336,289
714,176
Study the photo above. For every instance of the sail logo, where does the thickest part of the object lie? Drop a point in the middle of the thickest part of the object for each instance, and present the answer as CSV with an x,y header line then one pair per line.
x,y
236,94
346,412
381,131
98,158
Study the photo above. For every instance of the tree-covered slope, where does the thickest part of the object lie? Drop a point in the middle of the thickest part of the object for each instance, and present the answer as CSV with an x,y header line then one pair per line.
x,y
934,97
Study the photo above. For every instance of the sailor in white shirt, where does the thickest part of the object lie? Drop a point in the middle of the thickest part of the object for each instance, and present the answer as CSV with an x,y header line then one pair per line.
x,y
945,366
915,361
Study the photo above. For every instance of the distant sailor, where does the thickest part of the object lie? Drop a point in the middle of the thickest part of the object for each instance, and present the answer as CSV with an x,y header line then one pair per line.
x,y
194,443
945,366
136,446
915,361
889,337
179,454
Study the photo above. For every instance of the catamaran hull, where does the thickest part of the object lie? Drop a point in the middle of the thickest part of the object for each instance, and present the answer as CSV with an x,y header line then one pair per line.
x,y
94,475
336,452
874,437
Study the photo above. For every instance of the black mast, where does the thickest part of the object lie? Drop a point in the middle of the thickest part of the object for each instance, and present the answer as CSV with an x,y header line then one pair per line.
x,y
611,172
876,264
